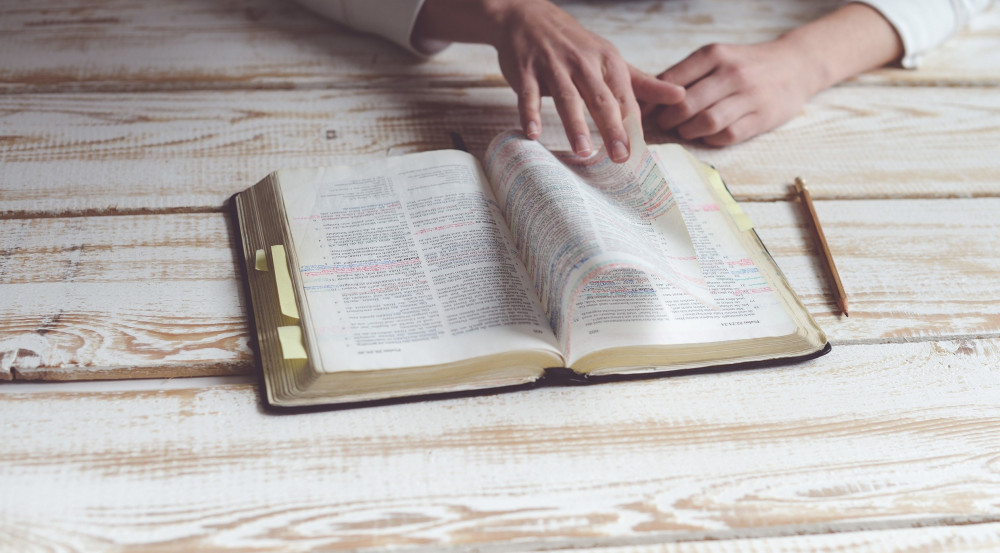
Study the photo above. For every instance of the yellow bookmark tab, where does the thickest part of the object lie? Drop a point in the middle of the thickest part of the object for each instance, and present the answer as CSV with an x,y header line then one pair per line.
x,y
260,260
286,296
292,346
741,219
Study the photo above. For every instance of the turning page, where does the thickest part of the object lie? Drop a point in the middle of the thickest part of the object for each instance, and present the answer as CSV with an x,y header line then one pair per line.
x,y
630,256
578,222
745,306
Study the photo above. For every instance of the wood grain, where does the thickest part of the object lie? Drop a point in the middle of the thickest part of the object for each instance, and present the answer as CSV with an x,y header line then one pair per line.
x,y
941,539
71,154
121,45
890,443
106,297
867,438
914,269
157,295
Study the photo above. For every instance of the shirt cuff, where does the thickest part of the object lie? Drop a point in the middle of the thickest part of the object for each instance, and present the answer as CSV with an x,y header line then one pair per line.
x,y
922,25
390,19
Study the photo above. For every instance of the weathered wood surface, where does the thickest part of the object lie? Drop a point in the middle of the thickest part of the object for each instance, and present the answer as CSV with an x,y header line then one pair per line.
x,y
113,297
135,45
939,539
891,443
879,437
912,269
101,153
157,295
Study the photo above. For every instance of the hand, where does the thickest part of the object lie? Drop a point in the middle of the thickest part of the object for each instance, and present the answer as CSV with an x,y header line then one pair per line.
x,y
545,52
735,92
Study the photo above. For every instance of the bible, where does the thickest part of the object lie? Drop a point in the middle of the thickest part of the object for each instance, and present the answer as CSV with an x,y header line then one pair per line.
x,y
435,273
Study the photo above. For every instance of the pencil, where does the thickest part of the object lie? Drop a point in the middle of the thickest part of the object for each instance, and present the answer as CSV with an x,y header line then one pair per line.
x,y
831,268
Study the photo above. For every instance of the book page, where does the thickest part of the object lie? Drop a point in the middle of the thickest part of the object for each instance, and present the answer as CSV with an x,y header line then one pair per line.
x,y
408,262
627,307
577,220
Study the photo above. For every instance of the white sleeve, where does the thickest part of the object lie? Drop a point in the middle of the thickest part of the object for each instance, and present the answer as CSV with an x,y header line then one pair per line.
x,y
391,19
924,24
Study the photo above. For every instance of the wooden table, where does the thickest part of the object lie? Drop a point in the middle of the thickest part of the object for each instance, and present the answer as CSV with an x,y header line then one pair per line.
x,y
125,124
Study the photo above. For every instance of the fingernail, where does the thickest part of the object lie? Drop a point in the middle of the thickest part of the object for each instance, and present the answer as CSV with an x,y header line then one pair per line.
x,y
532,129
581,145
618,151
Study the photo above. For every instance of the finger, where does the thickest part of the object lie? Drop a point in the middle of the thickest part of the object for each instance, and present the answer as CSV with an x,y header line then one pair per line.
x,y
529,106
609,98
703,94
570,106
746,127
701,62
651,92
618,77
717,117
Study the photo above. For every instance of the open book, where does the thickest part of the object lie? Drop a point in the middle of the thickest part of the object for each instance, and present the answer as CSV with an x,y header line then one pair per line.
x,y
433,273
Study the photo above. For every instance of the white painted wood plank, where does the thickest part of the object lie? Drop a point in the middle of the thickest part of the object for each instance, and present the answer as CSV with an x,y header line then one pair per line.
x,y
869,437
874,143
157,295
132,296
932,261
938,539
61,45
102,153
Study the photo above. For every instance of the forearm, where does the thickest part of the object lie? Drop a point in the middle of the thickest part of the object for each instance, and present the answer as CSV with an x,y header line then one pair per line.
x,y
844,43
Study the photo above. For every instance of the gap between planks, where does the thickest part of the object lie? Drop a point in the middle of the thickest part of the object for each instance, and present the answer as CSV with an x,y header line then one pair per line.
x,y
399,83
110,212
194,209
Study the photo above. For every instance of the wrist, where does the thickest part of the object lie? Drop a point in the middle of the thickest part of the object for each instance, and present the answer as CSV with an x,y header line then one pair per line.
x,y
500,17
816,68
848,41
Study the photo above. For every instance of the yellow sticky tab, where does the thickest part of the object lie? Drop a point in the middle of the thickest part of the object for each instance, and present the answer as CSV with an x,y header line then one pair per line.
x,y
734,210
260,260
292,346
743,221
286,296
